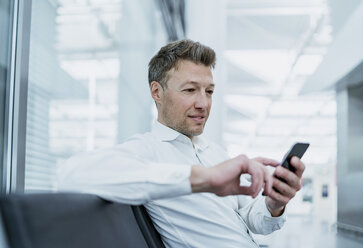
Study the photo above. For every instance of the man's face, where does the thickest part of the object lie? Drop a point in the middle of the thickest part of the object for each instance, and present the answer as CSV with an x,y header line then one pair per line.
x,y
185,103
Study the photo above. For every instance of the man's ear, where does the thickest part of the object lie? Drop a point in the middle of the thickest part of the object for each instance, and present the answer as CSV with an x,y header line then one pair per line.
x,y
156,91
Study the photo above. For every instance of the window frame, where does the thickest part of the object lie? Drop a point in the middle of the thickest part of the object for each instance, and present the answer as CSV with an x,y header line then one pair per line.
x,y
16,98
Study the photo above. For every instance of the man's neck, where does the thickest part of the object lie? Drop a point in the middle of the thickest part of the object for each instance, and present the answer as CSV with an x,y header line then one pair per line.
x,y
163,123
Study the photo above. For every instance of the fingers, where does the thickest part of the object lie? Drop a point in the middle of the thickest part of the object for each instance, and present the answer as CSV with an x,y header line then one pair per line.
x,y
257,177
298,165
291,178
283,188
285,184
267,161
281,199
225,179
260,178
268,182
247,190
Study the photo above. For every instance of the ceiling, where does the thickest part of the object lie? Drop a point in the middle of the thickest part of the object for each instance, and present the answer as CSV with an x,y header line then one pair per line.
x,y
272,47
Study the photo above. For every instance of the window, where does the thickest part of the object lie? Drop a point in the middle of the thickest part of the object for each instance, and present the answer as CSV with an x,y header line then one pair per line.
x,y
88,84
5,10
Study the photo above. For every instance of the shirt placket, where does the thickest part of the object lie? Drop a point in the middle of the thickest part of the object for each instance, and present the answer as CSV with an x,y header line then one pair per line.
x,y
196,154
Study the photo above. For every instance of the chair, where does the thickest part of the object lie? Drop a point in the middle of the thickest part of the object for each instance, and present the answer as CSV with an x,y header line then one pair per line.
x,y
74,221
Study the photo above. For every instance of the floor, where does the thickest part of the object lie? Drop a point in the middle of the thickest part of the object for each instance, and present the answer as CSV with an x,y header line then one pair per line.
x,y
307,232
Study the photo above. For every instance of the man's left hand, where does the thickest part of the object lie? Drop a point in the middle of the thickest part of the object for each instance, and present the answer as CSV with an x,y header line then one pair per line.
x,y
283,192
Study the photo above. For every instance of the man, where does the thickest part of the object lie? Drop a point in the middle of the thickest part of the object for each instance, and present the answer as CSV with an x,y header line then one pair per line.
x,y
163,167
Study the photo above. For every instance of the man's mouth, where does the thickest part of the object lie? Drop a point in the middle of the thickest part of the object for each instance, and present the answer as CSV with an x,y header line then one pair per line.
x,y
197,118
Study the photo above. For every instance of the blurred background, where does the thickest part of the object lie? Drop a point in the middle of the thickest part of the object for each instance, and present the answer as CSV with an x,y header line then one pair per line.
x,y
286,71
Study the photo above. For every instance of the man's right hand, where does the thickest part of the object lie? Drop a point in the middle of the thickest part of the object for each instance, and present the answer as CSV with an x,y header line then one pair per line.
x,y
224,178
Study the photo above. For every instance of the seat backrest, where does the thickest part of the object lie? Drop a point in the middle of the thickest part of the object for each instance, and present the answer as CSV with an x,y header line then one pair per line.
x,y
72,221
147,228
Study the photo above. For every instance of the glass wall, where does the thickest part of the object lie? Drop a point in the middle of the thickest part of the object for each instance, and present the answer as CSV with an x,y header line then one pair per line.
x,y
88,84
5,10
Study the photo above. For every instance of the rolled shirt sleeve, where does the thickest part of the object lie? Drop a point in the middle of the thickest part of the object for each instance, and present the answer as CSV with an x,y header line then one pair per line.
x,y
255,214
257,217
121,175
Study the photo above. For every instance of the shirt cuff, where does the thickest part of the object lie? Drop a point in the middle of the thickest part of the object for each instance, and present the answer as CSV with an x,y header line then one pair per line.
x,y
275,223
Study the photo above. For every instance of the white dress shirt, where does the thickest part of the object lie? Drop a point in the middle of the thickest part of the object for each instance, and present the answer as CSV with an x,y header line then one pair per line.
x,y
154,169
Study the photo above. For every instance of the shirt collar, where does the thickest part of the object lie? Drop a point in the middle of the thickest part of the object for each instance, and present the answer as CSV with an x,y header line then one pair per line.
x,y
164,133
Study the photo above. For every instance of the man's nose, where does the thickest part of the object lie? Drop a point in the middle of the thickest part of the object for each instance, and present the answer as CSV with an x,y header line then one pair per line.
x,y
202,101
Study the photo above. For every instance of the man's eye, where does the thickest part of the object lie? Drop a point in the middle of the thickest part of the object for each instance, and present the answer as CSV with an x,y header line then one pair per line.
x,y
210,92
189,90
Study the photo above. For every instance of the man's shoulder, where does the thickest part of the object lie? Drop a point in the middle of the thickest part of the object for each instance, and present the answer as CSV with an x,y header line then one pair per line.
x,y
143,138
139,143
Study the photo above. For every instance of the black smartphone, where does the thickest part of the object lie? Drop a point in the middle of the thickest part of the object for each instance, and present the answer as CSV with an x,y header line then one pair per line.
x,y
298,150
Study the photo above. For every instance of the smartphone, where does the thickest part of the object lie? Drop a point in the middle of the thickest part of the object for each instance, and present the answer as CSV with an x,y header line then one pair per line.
x,y
298,150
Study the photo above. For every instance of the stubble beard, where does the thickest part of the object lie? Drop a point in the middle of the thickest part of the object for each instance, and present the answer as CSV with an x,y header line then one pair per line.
x,y
182,127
